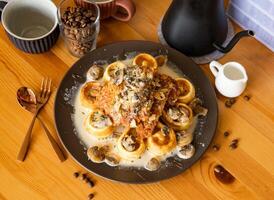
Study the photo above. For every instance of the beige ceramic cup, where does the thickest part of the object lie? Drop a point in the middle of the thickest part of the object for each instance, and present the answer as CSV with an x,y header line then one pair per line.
x,y
122,10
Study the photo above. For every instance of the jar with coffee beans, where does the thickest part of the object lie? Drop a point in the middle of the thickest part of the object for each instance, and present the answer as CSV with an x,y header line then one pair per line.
x,y
79,26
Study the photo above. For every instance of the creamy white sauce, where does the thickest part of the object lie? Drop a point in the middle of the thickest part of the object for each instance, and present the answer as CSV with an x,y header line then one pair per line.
x,y
81,114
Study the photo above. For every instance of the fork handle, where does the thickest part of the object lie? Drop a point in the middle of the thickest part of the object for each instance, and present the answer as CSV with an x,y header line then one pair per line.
x,y
25,145
54,144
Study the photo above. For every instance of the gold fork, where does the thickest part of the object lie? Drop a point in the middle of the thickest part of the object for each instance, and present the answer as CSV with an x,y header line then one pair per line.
x,y
41,101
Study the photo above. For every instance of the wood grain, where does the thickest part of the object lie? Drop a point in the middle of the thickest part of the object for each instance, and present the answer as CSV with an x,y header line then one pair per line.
x,y
42,176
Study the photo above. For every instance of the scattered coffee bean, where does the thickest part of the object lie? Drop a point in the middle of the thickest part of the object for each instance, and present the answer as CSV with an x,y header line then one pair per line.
x,y
233,146
76,174
226,133
247,97
90,183
84,177
216,147
232,100
87,180
229,102
90,196
235,141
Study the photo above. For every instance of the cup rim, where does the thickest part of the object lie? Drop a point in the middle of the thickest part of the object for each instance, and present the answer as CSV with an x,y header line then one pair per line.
x,y
24,38
235,64
59,17
99,3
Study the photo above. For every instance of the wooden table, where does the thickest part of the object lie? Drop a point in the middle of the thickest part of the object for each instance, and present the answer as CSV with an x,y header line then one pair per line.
x,y
42,176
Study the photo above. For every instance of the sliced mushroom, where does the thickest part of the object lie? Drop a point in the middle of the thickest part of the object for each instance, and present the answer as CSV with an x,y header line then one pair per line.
x,y
99,120
174,113
186,151
112,160
184,138
184,111
96,154
198,109
195,102
153,164
130,143
117,76
133,123
183,119
95,72
165,130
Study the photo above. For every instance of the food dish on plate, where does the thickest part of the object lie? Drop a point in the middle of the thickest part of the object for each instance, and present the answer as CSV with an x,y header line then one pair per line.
x,y
136,115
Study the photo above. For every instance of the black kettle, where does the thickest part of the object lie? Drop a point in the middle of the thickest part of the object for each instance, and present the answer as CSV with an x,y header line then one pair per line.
x,y
198,27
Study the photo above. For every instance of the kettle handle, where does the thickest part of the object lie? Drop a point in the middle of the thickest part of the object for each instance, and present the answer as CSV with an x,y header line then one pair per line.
x,y
233,41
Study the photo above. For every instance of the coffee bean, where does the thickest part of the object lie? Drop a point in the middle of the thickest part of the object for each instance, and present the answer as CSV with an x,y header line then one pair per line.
x,y
226,133
84,176
232,100
78,18
88,14
90,183
90,196
235,141
247,97
216,147
228,104
87,180
233,146
78,37
76,174
74,24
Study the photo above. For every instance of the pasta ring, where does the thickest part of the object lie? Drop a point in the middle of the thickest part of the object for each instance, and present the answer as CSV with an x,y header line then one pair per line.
x,y
139,146
112,69
187,90
161,60
162,141
88,94
184,138
184,120
145,60
98,124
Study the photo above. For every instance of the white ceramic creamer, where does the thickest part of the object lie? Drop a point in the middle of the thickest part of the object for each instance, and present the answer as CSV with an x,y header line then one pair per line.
x,y
230,78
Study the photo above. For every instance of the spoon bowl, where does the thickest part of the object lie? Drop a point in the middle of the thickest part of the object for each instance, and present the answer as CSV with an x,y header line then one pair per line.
x,y
27,99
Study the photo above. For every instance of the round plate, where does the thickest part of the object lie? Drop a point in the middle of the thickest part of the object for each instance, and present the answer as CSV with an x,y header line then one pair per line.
x,y
76,75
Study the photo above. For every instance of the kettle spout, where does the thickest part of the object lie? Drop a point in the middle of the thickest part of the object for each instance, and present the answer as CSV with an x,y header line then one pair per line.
x,y
234,41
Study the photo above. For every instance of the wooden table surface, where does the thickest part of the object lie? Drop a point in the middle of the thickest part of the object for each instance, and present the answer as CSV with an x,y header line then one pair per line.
x,y
42,176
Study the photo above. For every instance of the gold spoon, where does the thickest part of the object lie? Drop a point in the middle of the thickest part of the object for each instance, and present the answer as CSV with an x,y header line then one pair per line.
x,y
27,100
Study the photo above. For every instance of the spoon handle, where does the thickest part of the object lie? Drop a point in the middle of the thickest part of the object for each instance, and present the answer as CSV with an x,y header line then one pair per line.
x,y
54,144
25,145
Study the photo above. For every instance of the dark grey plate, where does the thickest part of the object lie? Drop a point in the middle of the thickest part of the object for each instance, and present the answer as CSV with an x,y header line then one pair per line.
x,y
76,75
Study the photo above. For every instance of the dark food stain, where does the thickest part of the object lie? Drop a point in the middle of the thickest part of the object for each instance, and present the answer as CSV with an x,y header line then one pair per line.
x,y
223,175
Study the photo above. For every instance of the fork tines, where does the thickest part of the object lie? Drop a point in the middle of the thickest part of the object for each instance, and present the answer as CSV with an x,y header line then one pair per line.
x,y
45,87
